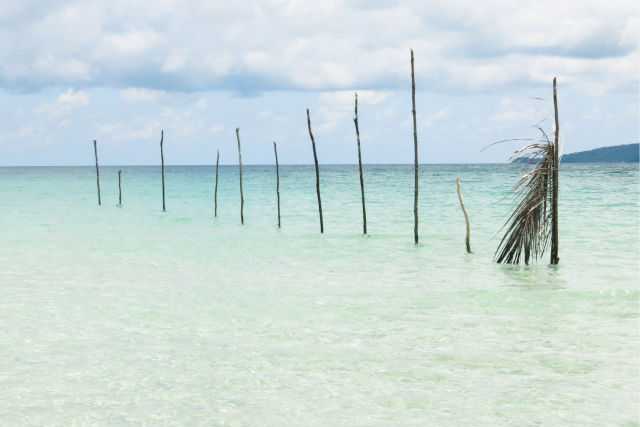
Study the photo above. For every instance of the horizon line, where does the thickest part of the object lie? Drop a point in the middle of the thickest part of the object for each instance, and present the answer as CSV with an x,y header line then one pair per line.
x,y
251,164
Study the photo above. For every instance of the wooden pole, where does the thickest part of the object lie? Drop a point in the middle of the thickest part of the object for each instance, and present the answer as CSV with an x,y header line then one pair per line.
x,y
162,160
275,150
119,188
315,158
466,217
95,150
415,153
240,165
364,210
556,164
215,193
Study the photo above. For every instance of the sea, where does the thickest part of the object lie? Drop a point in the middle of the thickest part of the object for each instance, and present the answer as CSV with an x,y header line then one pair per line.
x,y
128,315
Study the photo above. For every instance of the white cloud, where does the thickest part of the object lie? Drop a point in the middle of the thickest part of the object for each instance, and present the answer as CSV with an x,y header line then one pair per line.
x,y
527,110
63,106
74,97
136,129
129,43
514,115
180,65
201,104
347,97
461,45
65,123
269,115
179,121
135,95
430,120
51,69
592,114
338,106
174,62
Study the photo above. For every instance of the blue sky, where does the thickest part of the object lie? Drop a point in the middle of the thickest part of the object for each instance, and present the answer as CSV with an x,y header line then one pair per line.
x,y
120,71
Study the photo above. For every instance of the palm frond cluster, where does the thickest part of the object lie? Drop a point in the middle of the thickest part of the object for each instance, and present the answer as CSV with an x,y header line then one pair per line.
x,y
529,227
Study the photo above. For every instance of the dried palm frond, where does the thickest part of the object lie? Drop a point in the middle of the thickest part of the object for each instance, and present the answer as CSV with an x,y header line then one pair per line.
x,y
528,228
534,221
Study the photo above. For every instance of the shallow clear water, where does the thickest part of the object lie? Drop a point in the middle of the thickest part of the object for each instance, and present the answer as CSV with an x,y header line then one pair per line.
x,y
125,315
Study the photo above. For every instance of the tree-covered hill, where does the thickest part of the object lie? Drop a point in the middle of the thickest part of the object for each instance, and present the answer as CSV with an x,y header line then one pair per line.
x,y
628,153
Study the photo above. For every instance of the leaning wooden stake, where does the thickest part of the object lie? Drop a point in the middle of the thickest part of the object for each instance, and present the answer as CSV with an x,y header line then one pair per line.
x,y
466,217
119,188
275,150
162,160
364,210
240,166
556,165
315,159
215,192
415,153
95,150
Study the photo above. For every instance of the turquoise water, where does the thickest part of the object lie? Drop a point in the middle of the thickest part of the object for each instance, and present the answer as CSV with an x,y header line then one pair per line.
x,y
127,315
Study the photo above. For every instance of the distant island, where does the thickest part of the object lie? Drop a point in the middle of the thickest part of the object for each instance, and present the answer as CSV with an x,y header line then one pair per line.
x,y
628,153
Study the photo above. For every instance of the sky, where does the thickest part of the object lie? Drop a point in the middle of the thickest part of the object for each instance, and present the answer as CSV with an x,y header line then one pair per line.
x,y
121,71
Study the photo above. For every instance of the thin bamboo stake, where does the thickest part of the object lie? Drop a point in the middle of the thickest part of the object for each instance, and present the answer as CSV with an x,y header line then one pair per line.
x,y
240,165
95,150
315,158
364,210
119,188
466,217
556,164
275,150
162,160
215,193
415,153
